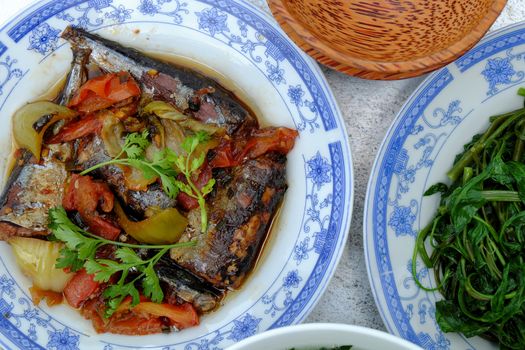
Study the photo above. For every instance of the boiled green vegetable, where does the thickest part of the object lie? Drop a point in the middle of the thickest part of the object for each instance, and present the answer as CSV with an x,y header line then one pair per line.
x,y
478,237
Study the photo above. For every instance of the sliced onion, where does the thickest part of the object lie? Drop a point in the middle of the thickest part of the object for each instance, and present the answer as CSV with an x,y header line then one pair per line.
x,y
174,135
195,125
135,179
23,120
111,134
37,259
163,227
164,110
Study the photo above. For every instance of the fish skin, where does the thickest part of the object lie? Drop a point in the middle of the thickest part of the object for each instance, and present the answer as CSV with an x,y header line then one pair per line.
x,y
74,80
31,190
76,76
186,286
240,215
191,92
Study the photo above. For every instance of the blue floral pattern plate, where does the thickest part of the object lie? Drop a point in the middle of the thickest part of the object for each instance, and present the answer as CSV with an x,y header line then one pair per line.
x,y
449,107
244,49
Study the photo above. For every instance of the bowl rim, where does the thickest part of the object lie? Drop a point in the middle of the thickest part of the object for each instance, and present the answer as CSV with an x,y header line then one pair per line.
x,y
376,69
295,330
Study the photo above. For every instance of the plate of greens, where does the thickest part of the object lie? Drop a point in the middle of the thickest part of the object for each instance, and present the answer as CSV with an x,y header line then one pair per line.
x,y
444,214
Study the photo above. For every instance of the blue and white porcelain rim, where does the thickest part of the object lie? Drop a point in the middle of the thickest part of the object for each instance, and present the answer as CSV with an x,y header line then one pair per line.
x,y
369,232
346,207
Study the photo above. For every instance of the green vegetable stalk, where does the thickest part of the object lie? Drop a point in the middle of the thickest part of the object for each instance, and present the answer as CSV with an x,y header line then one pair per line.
x,y
478,237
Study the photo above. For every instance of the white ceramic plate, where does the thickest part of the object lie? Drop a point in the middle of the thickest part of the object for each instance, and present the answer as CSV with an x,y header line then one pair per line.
x,y
316,335
443,114
250,55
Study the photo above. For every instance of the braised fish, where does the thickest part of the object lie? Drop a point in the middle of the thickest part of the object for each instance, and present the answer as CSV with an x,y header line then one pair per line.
x,y
240,215
191,92
32,188
91,151
138,180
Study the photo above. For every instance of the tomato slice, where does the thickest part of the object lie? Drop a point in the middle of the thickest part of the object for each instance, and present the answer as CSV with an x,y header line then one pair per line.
x,y
223,156
79,288
86,195
181,316
145,318
104,91
269,139
261,141
77,129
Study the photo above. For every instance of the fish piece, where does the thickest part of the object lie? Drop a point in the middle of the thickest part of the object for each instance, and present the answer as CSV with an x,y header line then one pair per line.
x,y
91,151
240,214
189,91
31,190
186,286
75,78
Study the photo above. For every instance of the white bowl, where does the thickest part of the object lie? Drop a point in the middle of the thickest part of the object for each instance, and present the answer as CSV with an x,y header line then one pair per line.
x,y
315,335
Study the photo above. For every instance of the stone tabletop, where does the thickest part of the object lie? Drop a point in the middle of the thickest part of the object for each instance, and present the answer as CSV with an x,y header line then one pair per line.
x,y
368,108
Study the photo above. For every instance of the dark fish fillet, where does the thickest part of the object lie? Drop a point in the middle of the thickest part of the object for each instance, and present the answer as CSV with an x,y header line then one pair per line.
x,y
91,151
239,218
187,287
31,190
74,80
191,92
77,75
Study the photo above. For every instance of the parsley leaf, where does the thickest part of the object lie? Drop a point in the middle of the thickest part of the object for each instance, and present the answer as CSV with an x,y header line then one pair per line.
x,y
135,147
164,165
151,285
188,168
69,258
80,250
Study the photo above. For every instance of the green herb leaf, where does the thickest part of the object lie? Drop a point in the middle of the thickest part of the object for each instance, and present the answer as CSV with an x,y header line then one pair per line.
x,y
135,144
69,259
151,285
80,252
128,256
208,187
436,188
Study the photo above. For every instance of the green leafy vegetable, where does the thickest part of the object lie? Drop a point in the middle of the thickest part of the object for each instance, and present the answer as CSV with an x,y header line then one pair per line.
x,y
478,237
165,165
80,250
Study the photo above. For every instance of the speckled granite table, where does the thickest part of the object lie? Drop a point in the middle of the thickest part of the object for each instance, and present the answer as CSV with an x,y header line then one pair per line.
x,y
368,108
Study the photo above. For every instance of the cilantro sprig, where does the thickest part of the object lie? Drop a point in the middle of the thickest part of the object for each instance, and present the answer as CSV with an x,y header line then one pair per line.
x,y
162,164
188,165
166,164
79,252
